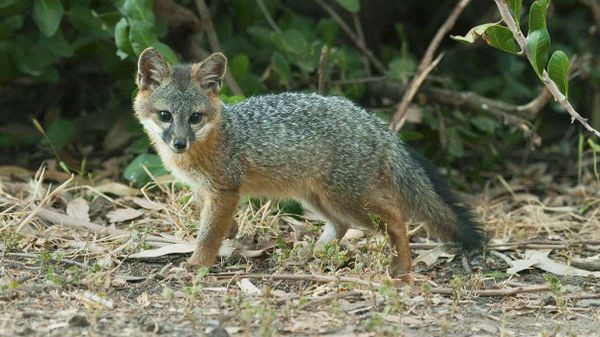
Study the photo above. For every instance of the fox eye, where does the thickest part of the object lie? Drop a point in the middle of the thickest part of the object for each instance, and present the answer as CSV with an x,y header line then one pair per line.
x,y
164,116
195,118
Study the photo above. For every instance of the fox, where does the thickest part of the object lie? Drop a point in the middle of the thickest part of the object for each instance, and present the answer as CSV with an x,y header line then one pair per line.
x,y
338,160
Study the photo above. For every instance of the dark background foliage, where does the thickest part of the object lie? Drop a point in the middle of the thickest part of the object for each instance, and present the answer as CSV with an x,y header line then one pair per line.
x,y
67,74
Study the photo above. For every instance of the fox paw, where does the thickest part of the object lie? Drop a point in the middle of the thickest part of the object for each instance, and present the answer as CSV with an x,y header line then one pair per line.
x,y
195,262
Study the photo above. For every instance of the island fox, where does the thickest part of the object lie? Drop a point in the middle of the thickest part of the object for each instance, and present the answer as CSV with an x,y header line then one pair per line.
x,y
334,157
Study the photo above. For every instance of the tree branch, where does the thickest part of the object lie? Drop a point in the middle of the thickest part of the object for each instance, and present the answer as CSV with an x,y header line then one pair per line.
x,y
357,41
268,17
322,70
522,41
214,43
427,64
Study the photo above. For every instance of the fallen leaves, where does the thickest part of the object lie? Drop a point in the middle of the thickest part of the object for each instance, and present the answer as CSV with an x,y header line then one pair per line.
x,y
539,259
123,214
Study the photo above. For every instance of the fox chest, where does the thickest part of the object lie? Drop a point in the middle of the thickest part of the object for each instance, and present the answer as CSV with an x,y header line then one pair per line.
x,y
193,179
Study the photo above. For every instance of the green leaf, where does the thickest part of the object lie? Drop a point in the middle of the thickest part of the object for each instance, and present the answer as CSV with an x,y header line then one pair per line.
x,y
239,65
328,30
9,25
473,34
455,142
485,123
58,45
501,38
595,147
47,15
167,52
232,99
62,132
558,70
400,68
84,20
350,5
34,60
515,6
538,42
122,39
137,9
537,15
141,35
135,173
282,67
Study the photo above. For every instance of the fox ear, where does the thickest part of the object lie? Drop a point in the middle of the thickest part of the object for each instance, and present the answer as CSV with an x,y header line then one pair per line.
x,y
210,72
152,69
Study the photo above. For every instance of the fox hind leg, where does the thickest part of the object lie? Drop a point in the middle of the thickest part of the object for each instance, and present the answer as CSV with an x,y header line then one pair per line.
x,y
335,227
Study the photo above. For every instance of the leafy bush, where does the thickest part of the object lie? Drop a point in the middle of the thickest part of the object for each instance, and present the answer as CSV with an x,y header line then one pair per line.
x,y
70,65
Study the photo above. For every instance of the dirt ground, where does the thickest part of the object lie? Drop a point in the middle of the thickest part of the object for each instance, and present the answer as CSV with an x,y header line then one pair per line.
x,y
65,277
157,305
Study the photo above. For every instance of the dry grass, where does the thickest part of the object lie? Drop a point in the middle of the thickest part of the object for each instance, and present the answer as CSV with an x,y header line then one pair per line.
x,y
67,267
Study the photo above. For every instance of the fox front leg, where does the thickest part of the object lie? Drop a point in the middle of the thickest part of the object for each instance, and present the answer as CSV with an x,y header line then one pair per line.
x,y
218,210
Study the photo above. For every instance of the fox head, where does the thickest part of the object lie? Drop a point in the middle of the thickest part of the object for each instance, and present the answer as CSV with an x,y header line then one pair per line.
x,y
178,104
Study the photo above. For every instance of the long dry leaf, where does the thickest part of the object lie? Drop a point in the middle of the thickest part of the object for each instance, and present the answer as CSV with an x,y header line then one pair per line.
x,y
79,209
118,189
123,214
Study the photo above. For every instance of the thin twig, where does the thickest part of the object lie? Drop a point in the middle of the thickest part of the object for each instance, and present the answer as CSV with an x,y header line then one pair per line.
x,y
359,44
215,45
268,16
37,256
38,208
496,292
300,277
425,66
322,70
549,83
361,36
402,111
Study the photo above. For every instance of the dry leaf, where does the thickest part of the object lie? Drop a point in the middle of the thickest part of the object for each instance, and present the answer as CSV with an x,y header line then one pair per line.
x,y
147,204
540,260
123,214
95,301
177,248
430,257
117,189
143,300
227,249
248,288
79,209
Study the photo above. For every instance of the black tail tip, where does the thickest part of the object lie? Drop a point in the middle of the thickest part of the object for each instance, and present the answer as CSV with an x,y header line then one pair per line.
x,y
473,238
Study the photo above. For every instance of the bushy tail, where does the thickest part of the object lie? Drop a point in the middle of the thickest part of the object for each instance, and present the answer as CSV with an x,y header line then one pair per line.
x,y
430,199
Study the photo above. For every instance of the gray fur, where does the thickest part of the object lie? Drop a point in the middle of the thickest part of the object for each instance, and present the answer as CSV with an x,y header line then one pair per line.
x,y
305,137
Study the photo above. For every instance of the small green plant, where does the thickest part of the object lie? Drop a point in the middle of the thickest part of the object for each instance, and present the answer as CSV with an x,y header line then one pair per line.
x,y
426,288
374,323
194,290
457,283
11,240
332,256
266,316
595,151
393,304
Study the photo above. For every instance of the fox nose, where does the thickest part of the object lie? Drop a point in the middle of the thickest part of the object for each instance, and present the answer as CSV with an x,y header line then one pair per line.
x,y
180,144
